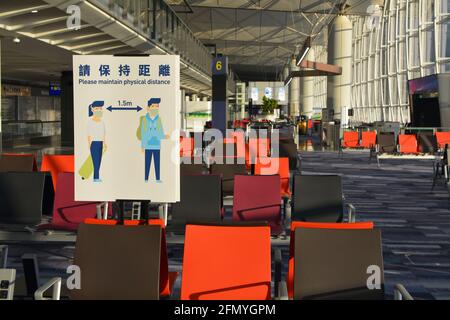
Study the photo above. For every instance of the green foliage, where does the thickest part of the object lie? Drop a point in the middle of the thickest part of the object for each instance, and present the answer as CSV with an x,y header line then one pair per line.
x,y
269,105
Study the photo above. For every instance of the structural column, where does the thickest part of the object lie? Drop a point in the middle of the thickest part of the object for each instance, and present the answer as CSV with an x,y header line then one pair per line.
x,y
294,91
340,53
307,90
1,137
67,109
219,93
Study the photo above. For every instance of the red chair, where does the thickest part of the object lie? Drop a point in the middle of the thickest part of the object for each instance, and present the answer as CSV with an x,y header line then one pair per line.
x,y
226,263
350,139
368,139
186,147
56,164
257,198
315,225
271,166
68,213
442,138
167,279
408,143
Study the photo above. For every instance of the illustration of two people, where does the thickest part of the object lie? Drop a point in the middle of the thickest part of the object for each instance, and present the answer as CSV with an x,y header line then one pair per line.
x,y
150,132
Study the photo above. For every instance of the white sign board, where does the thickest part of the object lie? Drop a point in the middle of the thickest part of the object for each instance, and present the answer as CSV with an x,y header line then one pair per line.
x,y
126,128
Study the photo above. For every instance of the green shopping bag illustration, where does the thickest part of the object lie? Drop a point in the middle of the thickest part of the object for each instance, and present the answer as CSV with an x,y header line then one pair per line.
x,y
86,169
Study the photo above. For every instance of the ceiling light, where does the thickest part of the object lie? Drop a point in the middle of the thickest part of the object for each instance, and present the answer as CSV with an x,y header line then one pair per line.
x,y
16,40
34,11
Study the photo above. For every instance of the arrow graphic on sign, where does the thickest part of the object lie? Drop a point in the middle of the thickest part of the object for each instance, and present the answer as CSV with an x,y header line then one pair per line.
x,y
111,108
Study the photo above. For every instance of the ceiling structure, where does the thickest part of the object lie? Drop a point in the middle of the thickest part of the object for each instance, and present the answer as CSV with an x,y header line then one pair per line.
x,y
46,43
259,36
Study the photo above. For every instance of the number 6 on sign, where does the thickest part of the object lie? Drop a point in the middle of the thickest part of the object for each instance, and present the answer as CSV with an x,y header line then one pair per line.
x,y
219,65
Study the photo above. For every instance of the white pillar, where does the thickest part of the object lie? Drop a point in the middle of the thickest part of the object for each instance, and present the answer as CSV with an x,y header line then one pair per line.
x,y
294,91
307,90
340,53
183,109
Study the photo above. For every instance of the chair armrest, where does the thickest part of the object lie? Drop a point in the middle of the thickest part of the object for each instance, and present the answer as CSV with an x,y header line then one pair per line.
x,y
53,282
400,293
351,213
282,291
99,207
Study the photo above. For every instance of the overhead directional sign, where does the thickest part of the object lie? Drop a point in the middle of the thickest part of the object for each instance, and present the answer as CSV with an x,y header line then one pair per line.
x,y
126,120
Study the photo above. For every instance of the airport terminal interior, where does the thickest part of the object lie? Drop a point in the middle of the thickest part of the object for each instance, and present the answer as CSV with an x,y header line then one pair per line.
x,y
224,149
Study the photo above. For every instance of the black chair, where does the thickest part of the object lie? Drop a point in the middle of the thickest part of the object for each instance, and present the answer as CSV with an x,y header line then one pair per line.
x,y
386,142
17,163
200,201
25,197
189,169
335,264
227,172
118,262
318,198
288,149
427,142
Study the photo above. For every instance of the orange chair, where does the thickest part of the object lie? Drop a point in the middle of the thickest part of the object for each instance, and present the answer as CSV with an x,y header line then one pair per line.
x,y
316,225
256,148
167,279
56,164
408,143
350,139
442,138
368,139
271,166
226,262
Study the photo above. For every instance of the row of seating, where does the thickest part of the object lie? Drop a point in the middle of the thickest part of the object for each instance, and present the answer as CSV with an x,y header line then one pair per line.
x,y
315,198
228,262
385,142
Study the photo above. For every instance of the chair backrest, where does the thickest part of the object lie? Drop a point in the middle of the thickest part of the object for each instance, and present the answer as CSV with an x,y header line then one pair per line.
x,y
290,151
56,164
257,198
118,262
12,162
314,225
257,148
193,169
427,142
200,200
407,143
317,198
226,263
25,197
337,264
280,166
442,138
68,213
386,142
368,139
164,263
351,139
227,172
186,147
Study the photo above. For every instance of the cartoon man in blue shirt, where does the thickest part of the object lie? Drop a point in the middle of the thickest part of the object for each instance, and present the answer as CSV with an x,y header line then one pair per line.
x,y
152,132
